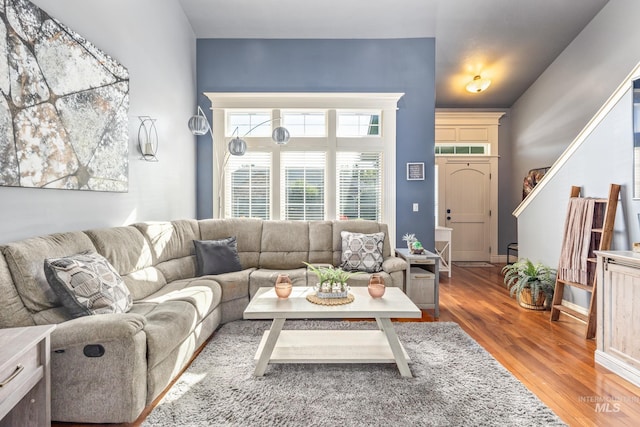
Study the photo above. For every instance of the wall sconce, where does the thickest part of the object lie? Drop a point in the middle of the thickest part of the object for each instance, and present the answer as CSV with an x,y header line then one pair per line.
x,y
478,84
148,139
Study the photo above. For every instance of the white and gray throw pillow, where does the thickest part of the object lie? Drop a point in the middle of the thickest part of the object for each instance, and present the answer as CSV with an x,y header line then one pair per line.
x,y
362,252
87,284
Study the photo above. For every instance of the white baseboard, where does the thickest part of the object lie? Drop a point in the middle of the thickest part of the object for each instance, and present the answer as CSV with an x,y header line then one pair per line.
x,y
499,259
618,367
580,309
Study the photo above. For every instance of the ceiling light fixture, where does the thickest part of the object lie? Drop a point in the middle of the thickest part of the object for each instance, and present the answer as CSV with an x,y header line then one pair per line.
x,y
478,84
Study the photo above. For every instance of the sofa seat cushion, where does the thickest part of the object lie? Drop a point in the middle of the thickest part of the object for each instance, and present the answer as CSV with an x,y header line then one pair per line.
x,y
234,285
203,293
168,324
267,278
362,279
393,264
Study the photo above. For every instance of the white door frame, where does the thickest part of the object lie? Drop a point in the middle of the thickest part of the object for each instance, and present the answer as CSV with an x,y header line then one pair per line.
x,y
442,161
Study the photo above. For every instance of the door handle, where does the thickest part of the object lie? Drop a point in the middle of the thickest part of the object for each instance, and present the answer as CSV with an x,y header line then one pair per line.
x,y
448,218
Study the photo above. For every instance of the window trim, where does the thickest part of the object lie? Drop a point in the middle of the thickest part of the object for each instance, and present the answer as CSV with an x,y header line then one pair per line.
x,y
385,103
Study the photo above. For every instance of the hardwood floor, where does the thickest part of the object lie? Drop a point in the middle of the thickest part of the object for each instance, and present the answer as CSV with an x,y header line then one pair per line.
x,y
552,359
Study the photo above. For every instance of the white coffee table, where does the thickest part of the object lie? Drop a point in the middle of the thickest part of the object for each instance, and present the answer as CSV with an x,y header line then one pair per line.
x,y
331,346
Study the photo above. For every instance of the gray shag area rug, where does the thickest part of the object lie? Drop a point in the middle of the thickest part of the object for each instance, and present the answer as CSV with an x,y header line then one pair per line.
x,y
456,383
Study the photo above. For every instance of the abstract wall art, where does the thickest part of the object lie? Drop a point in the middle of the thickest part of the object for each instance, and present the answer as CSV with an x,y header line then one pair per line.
x,y
63,106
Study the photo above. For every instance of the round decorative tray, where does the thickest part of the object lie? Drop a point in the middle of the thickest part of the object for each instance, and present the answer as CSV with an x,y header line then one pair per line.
x,y
330,301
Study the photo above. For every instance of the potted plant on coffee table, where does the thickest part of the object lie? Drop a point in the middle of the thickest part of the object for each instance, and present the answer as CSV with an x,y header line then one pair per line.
x,y
531,283
332,282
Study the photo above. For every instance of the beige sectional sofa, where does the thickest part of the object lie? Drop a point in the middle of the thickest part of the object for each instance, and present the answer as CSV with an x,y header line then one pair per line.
x,y
106,368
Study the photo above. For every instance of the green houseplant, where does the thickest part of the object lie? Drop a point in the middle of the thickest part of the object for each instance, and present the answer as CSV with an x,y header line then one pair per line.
x,y
530,283
330,278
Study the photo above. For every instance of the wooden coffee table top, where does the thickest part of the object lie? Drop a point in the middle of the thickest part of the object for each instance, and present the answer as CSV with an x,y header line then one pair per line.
x,y
266,305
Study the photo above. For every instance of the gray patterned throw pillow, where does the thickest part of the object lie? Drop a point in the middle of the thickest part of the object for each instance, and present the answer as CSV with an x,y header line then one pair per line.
x,y
362,252
87,284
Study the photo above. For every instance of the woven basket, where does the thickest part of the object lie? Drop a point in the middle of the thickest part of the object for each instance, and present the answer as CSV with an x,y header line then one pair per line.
x,y
525,300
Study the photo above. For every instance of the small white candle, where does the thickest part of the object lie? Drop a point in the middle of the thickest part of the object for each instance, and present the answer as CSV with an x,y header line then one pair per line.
x,y
148,149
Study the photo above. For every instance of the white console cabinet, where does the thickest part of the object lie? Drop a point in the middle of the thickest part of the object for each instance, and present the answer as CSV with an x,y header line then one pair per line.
x,y
618,327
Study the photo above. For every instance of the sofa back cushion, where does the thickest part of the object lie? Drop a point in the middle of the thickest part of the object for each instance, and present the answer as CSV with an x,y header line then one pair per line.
x,y
321,242
13,313
172,246
170,239
25,260
358,226
130,254
285,244
248,233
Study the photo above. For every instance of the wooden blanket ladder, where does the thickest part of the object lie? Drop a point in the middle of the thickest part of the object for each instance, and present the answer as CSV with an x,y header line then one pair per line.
x,y
601,235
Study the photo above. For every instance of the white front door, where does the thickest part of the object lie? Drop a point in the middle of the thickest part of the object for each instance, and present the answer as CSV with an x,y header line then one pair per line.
x,y
467,204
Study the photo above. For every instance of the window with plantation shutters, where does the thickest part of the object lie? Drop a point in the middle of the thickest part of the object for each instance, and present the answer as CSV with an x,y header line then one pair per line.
x,y
359,185
248,186
302,185
339,163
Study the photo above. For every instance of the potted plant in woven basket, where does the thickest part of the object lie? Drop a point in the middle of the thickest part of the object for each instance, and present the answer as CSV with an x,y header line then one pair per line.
x,y
531,283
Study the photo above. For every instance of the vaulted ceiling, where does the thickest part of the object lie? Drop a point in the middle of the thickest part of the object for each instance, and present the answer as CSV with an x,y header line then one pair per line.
x,y
510,42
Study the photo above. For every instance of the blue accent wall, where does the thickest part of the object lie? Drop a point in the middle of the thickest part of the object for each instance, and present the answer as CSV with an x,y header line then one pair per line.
x,y
335,65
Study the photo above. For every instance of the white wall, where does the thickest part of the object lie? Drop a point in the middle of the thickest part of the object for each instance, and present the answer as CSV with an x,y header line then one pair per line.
x,y
154,40
551,113
602,159
547,118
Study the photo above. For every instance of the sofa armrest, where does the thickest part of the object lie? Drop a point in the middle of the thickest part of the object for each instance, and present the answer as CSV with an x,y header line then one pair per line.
x,y
393,264
96,329
99,369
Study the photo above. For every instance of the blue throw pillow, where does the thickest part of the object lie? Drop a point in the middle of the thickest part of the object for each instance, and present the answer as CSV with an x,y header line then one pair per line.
x,y
217,256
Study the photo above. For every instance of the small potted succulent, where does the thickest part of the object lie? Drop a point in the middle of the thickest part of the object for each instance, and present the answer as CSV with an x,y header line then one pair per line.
x,y
416,248
332,282
532,284
410,238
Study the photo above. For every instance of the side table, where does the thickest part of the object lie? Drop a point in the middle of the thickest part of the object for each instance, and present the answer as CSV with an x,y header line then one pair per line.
x,y
423,290
25,387
443,235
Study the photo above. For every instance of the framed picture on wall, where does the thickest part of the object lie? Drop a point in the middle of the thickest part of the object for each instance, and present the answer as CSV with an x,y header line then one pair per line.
x,y
415,171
